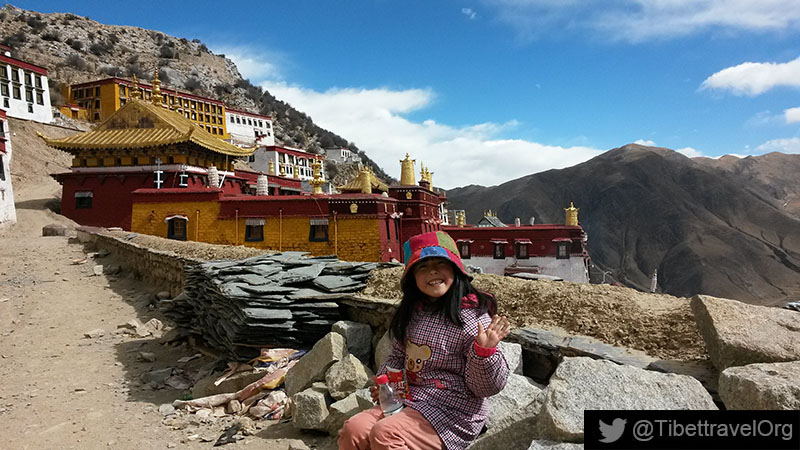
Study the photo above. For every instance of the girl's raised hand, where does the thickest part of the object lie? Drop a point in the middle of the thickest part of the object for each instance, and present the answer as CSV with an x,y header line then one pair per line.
x,y
494,333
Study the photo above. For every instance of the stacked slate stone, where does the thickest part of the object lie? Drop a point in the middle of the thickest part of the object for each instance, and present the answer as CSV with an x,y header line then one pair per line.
x,y
284,299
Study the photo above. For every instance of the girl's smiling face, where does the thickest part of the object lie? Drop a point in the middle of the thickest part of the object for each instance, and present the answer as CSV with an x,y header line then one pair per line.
x,y
434,276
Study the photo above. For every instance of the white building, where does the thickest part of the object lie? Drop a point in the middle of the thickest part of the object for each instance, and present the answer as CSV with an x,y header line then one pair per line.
x,y
286,161
249,129
341,155
8,214
24,90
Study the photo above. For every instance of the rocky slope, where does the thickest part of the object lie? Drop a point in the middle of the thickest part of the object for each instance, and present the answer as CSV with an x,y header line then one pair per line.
x,y
708,229
76,49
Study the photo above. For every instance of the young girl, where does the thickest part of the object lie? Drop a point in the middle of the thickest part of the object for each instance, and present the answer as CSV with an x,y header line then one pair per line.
x,y
444,336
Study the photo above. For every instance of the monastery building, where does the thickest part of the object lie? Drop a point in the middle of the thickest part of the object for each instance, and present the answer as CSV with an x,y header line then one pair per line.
x,y
24,89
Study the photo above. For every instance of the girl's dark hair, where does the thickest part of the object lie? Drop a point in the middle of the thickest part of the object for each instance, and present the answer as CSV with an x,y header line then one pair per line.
x,y
448,305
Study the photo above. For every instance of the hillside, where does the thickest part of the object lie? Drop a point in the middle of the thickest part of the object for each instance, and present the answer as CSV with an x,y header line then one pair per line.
x,y
77,49
710,230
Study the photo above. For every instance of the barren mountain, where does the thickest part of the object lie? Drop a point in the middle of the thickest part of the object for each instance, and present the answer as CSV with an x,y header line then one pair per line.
x,y
713,229
77,49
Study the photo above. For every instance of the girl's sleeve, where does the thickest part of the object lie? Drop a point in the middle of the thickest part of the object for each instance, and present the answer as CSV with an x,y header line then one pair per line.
x,y
487,370
396,358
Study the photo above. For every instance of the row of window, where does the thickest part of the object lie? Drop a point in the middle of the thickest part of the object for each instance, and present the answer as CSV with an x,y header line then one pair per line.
x,y
250,121
86,92
31,79
176,229
17,93
522,251
201,117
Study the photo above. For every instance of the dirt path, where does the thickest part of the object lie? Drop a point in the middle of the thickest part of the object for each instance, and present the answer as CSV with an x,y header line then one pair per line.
x,y
60,389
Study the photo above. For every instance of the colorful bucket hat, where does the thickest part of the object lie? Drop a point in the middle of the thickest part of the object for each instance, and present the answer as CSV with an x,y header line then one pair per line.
x,y
436,244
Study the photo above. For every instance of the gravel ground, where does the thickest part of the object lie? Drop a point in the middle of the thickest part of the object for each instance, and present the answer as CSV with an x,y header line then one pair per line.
x,y
661,325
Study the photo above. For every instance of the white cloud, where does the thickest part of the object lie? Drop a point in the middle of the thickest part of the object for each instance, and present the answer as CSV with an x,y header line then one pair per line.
x,y
765,118
792,115
787,145
642,20
471,15
647,143
253,63
374,119
755,78
689,151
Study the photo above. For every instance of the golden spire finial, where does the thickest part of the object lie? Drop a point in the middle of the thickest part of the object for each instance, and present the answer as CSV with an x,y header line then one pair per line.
x,y
572,215
135,89
407,171
271,169
156,97
365,179
316,182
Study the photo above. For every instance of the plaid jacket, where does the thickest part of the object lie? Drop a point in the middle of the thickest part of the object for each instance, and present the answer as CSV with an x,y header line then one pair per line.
x,y
447,380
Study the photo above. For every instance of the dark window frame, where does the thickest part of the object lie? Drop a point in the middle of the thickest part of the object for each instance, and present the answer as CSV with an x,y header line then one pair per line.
x,y
83,202
499,251
176,234
251,235
315,232
465,250
562,250
520,247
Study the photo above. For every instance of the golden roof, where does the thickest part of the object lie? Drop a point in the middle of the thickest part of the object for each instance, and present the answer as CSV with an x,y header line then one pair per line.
x,y
355,184
140,124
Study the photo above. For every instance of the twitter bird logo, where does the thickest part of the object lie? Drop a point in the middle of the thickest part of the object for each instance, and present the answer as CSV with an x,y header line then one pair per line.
x,y
612,433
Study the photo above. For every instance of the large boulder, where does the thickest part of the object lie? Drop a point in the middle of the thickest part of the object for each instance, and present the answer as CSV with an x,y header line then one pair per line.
x,y
737,334
346,376
515,430
313,365
583,383
761,386
54,229
341,411
513,355
382,350
357,337
518,393
310,410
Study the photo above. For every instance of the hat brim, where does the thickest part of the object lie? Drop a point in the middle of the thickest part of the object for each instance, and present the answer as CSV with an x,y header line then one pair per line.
x,y
433,252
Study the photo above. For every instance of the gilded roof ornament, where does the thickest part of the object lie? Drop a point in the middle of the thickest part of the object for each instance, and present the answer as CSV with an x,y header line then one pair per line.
x,y
135,89
156,98
407,171
572,215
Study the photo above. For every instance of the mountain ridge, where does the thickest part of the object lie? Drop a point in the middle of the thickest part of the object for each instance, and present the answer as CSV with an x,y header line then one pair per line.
x,y
705,229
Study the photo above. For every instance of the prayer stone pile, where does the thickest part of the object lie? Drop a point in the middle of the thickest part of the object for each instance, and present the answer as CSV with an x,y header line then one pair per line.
x,y
283,299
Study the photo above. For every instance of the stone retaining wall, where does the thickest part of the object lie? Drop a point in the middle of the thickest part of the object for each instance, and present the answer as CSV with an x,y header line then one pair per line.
x,y
161,270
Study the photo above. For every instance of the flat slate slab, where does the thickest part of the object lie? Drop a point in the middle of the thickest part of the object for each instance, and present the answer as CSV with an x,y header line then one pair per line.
x,y
542,350
281,300
737,334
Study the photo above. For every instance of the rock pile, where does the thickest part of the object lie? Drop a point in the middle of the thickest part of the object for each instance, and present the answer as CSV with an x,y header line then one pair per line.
x,y
282,299
756,349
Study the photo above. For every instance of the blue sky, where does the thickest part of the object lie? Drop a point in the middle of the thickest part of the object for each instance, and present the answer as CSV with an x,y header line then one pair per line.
x,y
487,91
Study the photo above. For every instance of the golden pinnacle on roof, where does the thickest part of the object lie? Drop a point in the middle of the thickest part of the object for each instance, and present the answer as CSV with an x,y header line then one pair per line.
x,y
572,215
316,182
135,89
365,180
461,218
156,98
407,171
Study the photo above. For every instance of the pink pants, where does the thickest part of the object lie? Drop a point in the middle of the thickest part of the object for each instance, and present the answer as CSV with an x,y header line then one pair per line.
x,y
408,429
